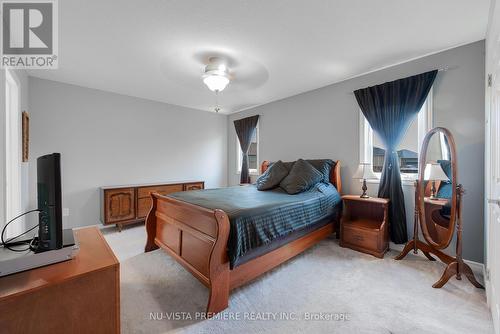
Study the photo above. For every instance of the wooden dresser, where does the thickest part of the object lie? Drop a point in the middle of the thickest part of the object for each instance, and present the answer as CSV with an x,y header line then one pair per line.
x,y
365,224
128,204
81,295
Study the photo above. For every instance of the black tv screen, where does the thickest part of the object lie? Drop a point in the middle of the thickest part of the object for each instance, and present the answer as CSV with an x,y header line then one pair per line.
x,y
49,202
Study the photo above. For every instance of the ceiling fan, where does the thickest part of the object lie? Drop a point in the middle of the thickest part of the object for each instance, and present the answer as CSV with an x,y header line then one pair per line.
x,y
218,69
216,77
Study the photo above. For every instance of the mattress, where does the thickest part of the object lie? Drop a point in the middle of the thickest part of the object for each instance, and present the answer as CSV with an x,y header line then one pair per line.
x,y
258,218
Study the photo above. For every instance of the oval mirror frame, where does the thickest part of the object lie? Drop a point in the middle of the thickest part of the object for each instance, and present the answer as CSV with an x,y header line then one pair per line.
x,y
439,244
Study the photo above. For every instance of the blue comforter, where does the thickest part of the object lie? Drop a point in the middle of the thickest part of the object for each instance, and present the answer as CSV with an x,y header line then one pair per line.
x,y
259,217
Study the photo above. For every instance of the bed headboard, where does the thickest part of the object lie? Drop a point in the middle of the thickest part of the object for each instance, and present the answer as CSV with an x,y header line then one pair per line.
x,y
334,174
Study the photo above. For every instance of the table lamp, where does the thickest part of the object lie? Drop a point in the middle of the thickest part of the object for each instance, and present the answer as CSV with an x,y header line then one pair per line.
x,y
364,172
434,172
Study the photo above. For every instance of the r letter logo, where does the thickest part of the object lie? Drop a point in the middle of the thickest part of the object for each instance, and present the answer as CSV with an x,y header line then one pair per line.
x,y
29,34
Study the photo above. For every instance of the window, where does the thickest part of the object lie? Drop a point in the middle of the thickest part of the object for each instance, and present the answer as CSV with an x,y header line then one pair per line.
x,y
371,146
253,154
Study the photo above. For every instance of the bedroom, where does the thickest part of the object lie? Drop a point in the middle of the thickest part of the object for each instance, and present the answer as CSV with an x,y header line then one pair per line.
x,y
130,105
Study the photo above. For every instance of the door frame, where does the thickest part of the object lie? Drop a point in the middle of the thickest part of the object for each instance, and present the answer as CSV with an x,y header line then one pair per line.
x,y
492,114
10,118
3,175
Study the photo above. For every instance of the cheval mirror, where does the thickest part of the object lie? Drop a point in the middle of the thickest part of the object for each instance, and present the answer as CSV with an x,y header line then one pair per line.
x,y
438,206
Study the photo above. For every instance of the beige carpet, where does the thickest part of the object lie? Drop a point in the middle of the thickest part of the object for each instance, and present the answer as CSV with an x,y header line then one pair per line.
x,y
360,294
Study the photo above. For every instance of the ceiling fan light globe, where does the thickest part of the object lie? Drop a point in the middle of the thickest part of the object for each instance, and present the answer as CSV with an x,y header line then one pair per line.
x,y
215,82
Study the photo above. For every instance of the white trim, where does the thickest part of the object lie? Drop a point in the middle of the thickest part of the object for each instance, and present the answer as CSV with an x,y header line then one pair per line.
x,y
477,268
404,182
13,149
425,119
365,140
492,164
3,152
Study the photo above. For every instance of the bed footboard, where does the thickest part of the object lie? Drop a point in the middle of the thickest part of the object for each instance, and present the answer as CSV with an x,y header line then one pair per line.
x,y
196,238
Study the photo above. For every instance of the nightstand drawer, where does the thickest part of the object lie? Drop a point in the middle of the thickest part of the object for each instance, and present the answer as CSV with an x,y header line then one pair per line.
x,y
362,238
364,225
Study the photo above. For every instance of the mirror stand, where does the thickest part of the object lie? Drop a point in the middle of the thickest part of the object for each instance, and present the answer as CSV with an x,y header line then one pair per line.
x,y
455,266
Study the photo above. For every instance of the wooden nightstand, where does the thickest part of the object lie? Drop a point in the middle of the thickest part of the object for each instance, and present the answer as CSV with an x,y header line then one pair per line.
x,y
365,225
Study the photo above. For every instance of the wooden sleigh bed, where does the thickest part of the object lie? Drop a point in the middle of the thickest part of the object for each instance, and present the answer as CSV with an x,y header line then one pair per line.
x,y
197,238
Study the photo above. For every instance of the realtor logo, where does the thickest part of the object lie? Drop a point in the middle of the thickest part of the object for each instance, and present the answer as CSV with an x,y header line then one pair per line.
x,y
29,34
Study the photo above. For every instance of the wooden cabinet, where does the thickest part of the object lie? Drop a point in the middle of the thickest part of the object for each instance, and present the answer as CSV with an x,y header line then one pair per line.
x,y
120,204
365,225
128,204
81,295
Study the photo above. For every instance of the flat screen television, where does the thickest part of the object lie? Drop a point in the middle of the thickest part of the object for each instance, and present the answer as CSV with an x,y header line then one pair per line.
x,y
50,234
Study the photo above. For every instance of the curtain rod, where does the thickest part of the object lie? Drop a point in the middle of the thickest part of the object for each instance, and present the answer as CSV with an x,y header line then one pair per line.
x,y
442,69
447,68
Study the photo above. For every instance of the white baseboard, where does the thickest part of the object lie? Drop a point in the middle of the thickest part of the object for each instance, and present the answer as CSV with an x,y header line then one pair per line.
x,y
477,268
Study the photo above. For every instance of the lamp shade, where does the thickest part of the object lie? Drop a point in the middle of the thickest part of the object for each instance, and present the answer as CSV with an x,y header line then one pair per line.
x,y
434,172
365,172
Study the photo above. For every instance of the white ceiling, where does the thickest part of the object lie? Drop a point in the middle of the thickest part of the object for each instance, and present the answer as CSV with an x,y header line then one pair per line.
x,y
156,49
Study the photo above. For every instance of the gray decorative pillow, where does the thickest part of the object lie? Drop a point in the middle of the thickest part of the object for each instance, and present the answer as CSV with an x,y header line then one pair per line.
x,y
302,176
324,166
272,176
288,165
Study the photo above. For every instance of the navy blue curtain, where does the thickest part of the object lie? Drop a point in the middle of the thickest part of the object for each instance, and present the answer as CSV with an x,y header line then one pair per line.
x,y
390,109
245,129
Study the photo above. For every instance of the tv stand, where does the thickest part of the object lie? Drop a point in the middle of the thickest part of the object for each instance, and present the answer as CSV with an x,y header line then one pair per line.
x,y
77,296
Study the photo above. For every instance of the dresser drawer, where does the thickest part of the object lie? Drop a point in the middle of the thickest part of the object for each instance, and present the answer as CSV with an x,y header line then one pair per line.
x,y
143,206
361,238
143,192
193,186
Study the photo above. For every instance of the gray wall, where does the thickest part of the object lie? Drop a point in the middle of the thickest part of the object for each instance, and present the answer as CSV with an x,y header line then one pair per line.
x,y
109,139
324,123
